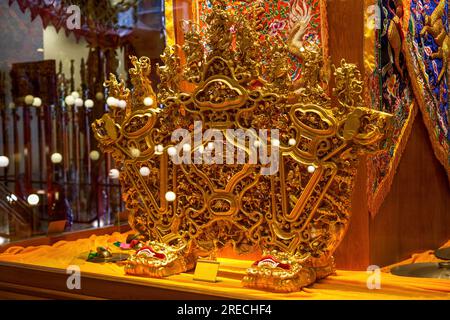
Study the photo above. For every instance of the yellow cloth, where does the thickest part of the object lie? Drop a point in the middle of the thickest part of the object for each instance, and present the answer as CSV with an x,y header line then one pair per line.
x,y
343,285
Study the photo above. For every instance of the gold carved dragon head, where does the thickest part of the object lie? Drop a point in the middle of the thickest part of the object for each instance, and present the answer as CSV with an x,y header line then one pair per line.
x,y
229,78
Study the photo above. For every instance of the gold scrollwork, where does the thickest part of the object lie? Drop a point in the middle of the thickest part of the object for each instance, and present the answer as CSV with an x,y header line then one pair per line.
x,y
230,80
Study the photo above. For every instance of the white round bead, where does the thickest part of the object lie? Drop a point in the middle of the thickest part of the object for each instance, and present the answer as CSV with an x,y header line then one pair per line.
x,y
4,162
114,173
311,169
70,101
37,102
148,101
275,142
29,99
112,102
78,102
75,95
292,142
94,155
56,158
144,171
89,104
159,148
172,151
33,199
122,104
171,196
135,153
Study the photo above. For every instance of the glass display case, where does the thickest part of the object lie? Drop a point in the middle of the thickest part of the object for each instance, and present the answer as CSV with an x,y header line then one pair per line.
x,y
288,149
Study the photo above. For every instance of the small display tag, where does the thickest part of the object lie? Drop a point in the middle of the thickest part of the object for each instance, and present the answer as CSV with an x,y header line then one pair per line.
x,y
206,270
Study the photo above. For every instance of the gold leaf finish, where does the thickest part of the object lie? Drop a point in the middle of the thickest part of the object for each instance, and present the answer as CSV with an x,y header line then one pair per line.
x,y
231,80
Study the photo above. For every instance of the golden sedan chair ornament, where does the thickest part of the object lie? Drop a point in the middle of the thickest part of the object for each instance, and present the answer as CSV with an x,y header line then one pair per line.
x,y
233,78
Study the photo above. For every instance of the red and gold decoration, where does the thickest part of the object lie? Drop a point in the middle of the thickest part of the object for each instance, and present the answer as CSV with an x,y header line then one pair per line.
x,y
301,20
299,215
98,18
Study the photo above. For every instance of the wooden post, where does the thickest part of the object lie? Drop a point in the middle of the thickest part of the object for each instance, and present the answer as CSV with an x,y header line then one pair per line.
x,y
346,41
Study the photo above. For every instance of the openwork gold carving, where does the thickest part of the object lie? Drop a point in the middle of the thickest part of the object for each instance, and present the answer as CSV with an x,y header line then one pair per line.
x,y
231,80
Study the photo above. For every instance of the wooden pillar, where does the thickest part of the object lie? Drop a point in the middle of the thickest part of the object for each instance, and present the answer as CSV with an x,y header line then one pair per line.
x,y
346,31
346,41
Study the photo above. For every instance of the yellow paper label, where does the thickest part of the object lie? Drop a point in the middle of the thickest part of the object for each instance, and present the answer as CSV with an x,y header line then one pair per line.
x,y
206,270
